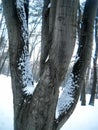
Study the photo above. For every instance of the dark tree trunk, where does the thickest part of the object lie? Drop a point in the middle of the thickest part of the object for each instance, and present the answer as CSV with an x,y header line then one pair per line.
x,y
96,40
84,56
85,86
46,38
83,95
18,55
93,90
94,85
79,19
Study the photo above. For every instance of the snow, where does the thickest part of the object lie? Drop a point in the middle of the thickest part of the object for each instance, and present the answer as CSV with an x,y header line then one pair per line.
x,y
49,5
47,59
66,97
24,65
83,118
22,18
29,89
6,104
24,61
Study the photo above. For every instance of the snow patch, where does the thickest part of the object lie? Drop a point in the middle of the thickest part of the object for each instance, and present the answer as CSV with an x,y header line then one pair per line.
x,y
47,59
49,5
25,67
29,89
24,61
96,18
22,18
66,97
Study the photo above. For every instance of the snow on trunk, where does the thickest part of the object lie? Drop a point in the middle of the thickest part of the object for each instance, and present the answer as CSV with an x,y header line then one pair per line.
x,y
22,18
24,61
25,67
66,97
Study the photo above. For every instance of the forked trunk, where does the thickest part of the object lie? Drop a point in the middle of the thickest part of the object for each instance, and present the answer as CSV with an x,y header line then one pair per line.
x,y
37,111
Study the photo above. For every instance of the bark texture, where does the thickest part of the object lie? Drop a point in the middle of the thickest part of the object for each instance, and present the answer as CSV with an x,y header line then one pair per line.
x,y
37,111
94,85
93,90
84,56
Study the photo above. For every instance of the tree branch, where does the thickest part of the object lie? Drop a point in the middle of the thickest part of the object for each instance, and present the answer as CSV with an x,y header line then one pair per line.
x,y
84,54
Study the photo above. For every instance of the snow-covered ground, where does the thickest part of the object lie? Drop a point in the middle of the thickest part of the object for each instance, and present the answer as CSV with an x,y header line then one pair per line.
x,y
83,118
6,104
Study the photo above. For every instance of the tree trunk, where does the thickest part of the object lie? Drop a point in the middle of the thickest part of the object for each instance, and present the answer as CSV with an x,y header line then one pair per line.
x,y
93,90
83,94
94,85
84,56
37,111
18,54
96,40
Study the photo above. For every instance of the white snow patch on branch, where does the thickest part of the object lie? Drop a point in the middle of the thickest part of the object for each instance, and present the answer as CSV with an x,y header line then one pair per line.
x,y
29,89
66,97
22,17
25,67
47,59
24,61
96,17
49,5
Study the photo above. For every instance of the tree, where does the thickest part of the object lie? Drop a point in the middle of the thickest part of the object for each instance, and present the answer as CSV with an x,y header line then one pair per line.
x,y
93,90
87,37
35,11
94,85
3,45
83,58
83,94
96,39
36,111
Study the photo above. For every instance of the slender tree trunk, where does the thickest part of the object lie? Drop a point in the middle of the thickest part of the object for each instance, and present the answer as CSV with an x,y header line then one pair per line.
x,y
83,95
46,38
93,91
96,40
85,86
79,19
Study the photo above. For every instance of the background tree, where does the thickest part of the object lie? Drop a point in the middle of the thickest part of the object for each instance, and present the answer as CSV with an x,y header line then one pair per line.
x,y
4,67
94,85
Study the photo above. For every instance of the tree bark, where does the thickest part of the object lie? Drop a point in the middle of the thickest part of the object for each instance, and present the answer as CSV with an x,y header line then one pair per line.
x,y
93,90
96,40
18,53
37,111
84,56
94,85
83,94
46,38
